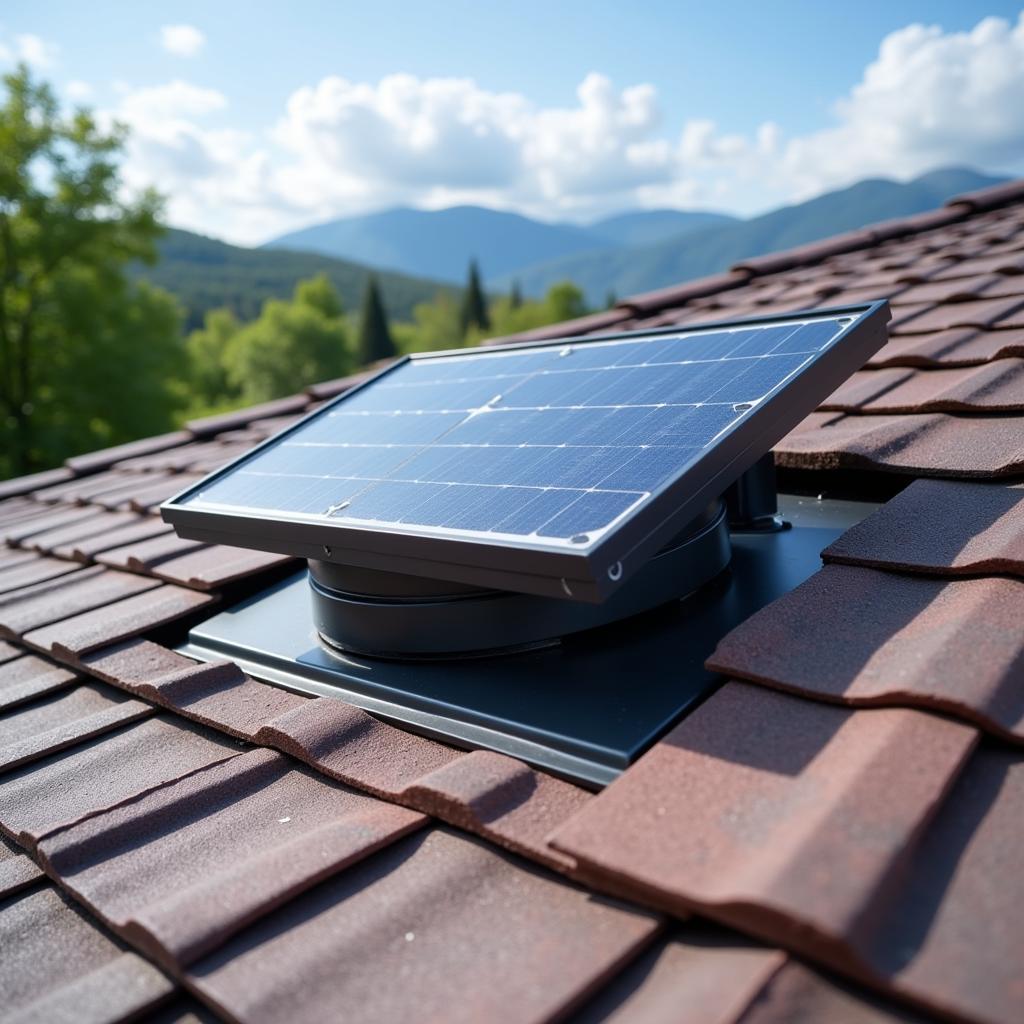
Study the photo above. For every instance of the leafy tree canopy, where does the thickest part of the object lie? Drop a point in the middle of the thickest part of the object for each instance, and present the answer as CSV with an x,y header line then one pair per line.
x,y
86,358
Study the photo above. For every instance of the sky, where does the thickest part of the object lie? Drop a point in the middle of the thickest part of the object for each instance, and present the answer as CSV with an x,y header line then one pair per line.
x,y
258,118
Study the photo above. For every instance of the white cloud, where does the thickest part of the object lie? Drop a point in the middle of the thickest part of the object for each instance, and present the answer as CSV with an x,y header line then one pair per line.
x,y
182,40
30,49
78,91
929,98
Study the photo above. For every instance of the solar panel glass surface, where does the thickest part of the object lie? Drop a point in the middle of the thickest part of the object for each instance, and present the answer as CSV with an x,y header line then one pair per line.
x,y
553,444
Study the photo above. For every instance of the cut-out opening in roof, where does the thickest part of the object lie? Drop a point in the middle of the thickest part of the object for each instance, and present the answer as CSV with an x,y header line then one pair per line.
x,y
556,469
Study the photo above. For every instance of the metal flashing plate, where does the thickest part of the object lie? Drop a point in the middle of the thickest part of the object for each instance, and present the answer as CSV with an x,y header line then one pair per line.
x,y
556,468
584,709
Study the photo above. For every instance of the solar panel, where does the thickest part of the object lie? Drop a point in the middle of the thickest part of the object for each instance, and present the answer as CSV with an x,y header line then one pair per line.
x,y
554,468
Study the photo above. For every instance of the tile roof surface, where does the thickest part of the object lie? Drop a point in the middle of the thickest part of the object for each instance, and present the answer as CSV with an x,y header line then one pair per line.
x,y
834,834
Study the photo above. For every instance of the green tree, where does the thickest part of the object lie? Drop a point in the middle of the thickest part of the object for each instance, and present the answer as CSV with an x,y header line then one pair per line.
x,y
515,298
207,348
436,325
77,340
375,341
290,345
474,304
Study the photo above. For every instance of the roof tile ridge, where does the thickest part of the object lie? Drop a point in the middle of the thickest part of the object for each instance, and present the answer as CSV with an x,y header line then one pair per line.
x,y
990,198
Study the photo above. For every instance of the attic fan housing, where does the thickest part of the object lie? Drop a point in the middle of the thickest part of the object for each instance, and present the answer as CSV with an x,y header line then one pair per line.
x,y
462,508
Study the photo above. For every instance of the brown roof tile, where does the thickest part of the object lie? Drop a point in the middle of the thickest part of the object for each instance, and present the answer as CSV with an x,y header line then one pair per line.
x,y
701,974
141,556
42,603
798,821
58,966
996,387
56,722
72,637
25,484
217,693
138,529
36,570
71,785
473,935
28,677
81,490
906,641
147,499
48,519
8,652
210,425
960,347
179,870
216,565
17,870
102,523
927,444
982,313
941,526
106,457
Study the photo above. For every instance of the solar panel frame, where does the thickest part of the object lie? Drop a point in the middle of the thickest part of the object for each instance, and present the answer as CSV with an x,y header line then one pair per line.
x,y
595,569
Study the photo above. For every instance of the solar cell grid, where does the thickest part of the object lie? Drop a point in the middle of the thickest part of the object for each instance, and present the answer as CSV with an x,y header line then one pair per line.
x,y
550,443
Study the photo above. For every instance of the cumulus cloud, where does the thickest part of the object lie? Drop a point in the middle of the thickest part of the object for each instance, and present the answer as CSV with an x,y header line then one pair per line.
x,y
928,98
29,49
182,40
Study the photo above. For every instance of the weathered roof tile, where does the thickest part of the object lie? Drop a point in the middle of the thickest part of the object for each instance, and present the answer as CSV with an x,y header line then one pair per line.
x,y
906,641
72,637
17,869
58,966
59,721
180,869
100,773
28,677
431,910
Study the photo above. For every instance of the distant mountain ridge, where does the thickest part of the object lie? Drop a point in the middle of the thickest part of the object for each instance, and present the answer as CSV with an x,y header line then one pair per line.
x,y
439,243
628,271
205,273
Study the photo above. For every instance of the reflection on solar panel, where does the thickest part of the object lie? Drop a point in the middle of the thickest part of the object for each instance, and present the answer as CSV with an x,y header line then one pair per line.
x,y
547,448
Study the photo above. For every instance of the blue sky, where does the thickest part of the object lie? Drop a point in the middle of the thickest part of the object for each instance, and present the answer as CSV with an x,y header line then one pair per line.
x,y
257,117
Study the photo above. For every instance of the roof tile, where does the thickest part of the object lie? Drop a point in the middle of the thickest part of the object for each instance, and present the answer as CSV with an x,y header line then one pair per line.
x,y
8,652
180,869
350,745
797,821
701,974
941,526
17,869
56,722
430,910
982,313
58,966
36,570
72,637
959,347
216,693
995,387
141,528
102,523
217,565
501,799
106,457
24,484
41,603
210,425
81,490
141,556
49,519
955,645
71,785
929,444
28,677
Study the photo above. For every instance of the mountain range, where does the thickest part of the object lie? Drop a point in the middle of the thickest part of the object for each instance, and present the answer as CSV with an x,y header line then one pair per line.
x,y
417,253
623,255
440,243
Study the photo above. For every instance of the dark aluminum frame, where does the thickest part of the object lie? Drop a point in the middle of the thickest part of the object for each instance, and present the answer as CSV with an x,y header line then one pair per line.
x,y
593,572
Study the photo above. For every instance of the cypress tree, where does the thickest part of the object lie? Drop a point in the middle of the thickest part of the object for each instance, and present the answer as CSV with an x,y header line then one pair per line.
x,y
610,299
515,299
375,340
474,305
